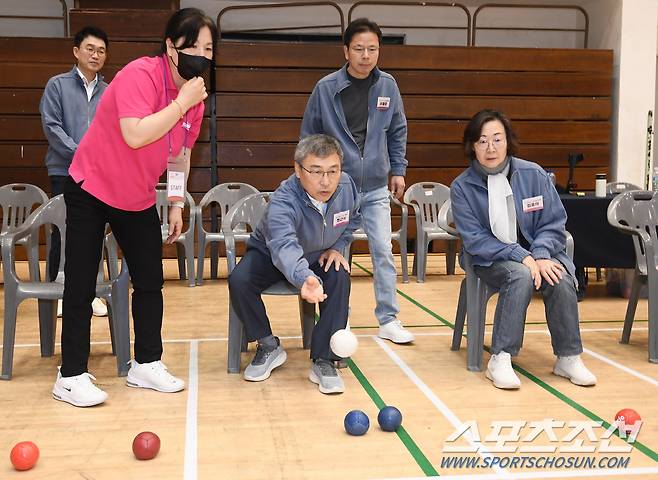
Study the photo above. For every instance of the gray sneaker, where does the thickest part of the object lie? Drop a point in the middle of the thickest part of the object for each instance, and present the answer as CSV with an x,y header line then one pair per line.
x,y
327,377
264,362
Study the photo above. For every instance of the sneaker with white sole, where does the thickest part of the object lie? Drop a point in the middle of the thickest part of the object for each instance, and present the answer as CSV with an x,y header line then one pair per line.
x,y
99,308
325,375
265,360
153,375
395,332
501,373
78,390
574,369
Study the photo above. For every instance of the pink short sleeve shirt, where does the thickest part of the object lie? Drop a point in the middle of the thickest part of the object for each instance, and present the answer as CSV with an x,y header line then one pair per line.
x,y
113,172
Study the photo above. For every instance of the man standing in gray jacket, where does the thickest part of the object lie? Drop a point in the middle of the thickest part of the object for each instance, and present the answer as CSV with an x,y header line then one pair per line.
x,y
309,221
361,106
67,108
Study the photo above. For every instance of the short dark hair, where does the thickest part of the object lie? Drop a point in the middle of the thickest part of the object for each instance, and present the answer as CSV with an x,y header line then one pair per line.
x,y
473,131
90,31
185,24
361,25
319,145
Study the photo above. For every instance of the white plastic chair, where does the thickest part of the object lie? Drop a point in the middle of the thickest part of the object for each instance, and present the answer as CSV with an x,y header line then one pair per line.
x,y
224,196
636,212
184,243
426,198
18,201
115,291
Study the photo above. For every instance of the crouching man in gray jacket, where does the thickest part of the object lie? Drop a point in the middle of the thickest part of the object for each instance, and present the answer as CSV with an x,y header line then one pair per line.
x,y
308,223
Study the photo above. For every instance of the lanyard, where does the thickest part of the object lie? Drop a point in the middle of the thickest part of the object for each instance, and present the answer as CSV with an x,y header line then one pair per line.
x,y
186,126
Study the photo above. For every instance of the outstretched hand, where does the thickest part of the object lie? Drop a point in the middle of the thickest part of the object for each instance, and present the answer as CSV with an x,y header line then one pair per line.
x,y
312,290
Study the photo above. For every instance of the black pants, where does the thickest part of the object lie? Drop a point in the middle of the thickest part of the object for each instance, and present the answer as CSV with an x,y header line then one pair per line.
x,y
58,183
256,272
138,235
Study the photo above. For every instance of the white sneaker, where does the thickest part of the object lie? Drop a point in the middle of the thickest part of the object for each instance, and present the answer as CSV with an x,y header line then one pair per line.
x,y
78,390
500,371
99,308
153,375
575,370
395,332
59,308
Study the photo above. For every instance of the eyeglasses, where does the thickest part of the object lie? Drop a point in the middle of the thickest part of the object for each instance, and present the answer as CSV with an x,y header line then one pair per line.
x,y
496,143
91,50
319,174
361,50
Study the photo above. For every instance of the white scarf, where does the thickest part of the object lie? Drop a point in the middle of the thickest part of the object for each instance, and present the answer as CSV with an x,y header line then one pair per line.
x,y
502,213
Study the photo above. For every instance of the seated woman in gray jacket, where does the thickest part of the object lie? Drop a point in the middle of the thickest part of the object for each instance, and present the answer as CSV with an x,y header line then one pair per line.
x,y
512,222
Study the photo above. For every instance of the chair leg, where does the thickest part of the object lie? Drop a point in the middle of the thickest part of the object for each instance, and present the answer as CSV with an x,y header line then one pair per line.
x,y
47,326
421,262
9,335
110,317
200,260
33,263
422,266
403,260
112,261
214,260
638,281
234,341
307,319
460,318
653,315
475,317
180,255
189,256
118,303
450,257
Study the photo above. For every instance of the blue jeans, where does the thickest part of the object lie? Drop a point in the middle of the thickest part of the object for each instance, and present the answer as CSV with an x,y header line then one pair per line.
x,y
376,220
515,292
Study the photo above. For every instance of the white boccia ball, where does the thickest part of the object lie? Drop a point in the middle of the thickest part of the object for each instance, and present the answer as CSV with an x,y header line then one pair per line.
x,y
343,343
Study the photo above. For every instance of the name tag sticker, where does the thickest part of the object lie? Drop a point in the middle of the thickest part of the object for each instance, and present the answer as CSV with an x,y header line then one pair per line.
x,y
175,186
341,218
533,204
383,103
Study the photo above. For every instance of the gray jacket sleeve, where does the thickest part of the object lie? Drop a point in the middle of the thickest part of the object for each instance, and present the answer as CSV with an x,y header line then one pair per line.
x,y
52,120
281,239
312,120
397,139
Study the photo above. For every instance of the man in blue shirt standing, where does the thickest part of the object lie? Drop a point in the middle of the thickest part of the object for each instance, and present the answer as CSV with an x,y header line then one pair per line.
x,y
361,106
67,108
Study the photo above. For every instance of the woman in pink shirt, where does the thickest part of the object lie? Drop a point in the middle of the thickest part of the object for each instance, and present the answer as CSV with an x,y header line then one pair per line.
x,y
149,116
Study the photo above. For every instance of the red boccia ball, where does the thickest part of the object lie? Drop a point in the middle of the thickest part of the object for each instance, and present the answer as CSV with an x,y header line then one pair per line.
x,y
628,416
24,455
146,445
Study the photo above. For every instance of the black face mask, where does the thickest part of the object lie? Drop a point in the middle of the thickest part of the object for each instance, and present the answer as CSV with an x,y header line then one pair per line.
x,y
190,66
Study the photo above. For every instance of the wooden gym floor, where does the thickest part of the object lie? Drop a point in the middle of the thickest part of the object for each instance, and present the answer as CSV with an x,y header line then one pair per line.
x,y
283,428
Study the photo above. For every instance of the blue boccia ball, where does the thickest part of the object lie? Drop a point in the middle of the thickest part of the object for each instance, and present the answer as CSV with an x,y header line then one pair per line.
x,y
356,423
389,419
